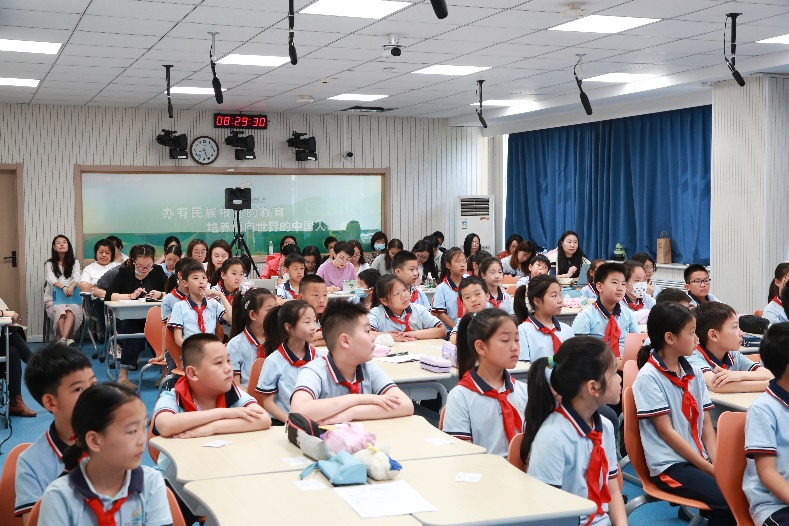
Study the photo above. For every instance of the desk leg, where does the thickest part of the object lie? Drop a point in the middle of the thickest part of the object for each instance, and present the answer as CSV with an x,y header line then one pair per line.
x,y
111,343
6,394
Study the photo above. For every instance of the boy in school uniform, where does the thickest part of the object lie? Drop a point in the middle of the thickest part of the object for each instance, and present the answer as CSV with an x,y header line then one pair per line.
x,y
766,478
55,375
313,290
201,310
726,369
606,318
538,265
346,385
406,267
295,265
474,297
697,283
335,271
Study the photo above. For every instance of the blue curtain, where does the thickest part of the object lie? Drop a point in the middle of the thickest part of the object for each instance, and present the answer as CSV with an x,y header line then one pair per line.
x,y
617,181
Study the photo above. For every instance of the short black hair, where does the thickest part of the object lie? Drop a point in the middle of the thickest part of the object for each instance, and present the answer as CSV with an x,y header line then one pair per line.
x,y
695,267
401,258
643,257
606,269
310,279
115,240
193,349
340,317
469,281
294,258
711,315
772,349
672,296
328,240
47,367
540,258
342,246
630,265
192,268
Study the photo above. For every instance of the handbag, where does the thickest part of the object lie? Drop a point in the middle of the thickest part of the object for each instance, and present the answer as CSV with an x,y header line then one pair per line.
x,y
342,469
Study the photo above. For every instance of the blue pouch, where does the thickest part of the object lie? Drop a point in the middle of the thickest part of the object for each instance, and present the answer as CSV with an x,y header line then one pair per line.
x,y
343,469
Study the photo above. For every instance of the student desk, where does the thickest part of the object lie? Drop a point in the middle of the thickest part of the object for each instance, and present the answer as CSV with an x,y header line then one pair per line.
x,y
734,401
429,293
122,310
5,325
341,295
568,315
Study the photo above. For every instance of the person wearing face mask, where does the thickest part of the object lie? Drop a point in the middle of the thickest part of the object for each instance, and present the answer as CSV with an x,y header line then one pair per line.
x,y
378,244
636,297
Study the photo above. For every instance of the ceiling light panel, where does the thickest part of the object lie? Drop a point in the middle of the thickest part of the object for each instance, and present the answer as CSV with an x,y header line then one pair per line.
x,y
445,69
358,96
25,83
355,8
783,39
29,46
618,78
501,102
253,60
188,90
604,24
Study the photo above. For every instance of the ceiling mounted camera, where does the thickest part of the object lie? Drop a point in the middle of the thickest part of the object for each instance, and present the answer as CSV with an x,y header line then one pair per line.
x,y
393,48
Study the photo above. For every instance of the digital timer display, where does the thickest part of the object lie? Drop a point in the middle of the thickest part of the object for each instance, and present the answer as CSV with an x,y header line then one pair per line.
x,y
254,122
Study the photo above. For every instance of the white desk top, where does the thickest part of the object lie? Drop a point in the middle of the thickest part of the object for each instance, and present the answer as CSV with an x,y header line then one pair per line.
x,y
5,321
261,452
734,401
130,310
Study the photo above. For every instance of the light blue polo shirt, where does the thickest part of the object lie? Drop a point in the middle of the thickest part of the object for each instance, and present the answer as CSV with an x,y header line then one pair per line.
x,y
655,395
36,468
169,301
594,319
560,454
243,350
732,360
321,379
286,291
64,501
279,374
774,313
185,317
766,433
646,303
446,300
694,301
657,290
589,292
503,301
419,298
471,416
383,320
535,344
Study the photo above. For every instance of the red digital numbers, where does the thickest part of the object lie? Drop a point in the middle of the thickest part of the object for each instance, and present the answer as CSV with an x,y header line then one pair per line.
x,y
222,120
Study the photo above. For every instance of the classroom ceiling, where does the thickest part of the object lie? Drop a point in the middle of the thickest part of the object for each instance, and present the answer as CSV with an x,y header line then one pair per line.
x,y
113,51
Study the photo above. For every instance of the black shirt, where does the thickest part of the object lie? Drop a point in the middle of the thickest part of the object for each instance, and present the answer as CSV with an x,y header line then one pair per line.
x,y
126,281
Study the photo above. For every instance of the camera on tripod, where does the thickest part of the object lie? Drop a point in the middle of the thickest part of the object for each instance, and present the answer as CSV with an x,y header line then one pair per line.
x,y
238,198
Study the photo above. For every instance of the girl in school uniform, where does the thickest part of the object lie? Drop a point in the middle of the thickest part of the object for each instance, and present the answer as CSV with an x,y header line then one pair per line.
x,y
404,320
491,271
198,250
176,286
636,296
383,263
62,272
512,246
229,278
368,279
172,255
218,252
649,267
486,406
248,336
471,245
673,412
589,292
105,483
540,333
290,329
170,241
570,445
774,311
447,304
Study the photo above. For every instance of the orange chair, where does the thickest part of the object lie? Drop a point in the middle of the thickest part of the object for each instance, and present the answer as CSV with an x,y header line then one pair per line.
x,y
254,376
152,451
629,373
759,313
7,487
731,446
220,332
511,290
633,342
441,418
154,335
175,353
32,518
514,452
635,451
175,510
509,280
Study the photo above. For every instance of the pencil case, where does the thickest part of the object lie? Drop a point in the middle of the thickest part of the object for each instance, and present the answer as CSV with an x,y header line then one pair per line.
x,y
449,351
434,364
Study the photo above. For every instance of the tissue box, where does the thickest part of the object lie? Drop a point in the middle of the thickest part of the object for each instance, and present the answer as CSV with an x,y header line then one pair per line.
x,y
435,364
449,351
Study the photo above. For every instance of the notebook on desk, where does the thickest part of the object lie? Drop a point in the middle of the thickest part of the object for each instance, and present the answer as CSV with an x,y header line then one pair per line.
x,y
270,284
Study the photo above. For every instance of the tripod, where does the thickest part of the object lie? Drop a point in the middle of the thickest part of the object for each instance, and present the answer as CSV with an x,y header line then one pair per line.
x,y
238,241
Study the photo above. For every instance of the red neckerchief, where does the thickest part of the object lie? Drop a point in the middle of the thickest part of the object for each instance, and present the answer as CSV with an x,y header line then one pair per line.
x,y
598,466
496,302
513,424
289,289
545,330
230,296
199,310
690,408
637,305
414,294
455,288
105,518
292,359
710,359
354,387
778,301
259,347
591,287
183,396
406,325
175,292
612,330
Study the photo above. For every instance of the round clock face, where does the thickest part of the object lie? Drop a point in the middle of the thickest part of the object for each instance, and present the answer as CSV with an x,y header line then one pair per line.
x,y
204,150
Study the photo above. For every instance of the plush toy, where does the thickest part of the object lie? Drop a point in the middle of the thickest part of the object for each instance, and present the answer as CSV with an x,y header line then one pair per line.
x,y
385,339
380,466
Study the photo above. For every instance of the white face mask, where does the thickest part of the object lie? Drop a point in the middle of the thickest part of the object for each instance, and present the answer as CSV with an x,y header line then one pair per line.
x,y
379,246
640,289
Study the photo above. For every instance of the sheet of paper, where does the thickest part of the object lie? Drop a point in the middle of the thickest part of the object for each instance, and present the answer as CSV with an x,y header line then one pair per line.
x,y
468,477
403,358
216,443
308,485
438,441
297,461
384,500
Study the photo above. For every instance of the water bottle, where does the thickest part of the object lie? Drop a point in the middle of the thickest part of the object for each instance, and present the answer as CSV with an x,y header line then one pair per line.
x,y
270,248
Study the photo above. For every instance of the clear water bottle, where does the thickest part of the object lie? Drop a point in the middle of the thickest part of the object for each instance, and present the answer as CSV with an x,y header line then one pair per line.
x,y
270,248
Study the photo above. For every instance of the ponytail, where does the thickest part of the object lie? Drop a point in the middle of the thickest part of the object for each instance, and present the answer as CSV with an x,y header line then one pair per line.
x,y
663,318
519,303
643,355
446,261
780,273
243,304
540,404
274,324
473,327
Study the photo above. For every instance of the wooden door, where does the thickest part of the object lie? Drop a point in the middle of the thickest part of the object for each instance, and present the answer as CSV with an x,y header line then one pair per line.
x,y
10,254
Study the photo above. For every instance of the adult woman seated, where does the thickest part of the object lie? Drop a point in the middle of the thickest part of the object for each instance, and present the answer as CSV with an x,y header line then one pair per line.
x,y
104,253
568,256
62,272
17,353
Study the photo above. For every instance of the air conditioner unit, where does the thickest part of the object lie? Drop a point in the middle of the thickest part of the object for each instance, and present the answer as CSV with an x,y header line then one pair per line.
x,y
475,215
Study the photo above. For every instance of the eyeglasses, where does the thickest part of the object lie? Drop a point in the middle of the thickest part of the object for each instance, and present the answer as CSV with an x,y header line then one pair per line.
x,y
342,258
143,268
701,281
421,259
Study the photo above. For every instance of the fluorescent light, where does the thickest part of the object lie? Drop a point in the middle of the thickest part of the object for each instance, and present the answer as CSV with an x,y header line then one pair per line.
x,y
501,102
355,8
450,70
604,24
619,77
26,83
29,46
187,90
783,39
253,60
358,96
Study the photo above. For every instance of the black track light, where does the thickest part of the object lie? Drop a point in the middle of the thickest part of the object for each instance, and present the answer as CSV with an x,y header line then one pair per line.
x,y
584,98
169,100
215,81
440,8
479,110
732,63
294,57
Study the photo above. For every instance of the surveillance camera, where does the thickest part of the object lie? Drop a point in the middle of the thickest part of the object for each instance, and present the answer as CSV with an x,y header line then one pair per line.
x,y
396,51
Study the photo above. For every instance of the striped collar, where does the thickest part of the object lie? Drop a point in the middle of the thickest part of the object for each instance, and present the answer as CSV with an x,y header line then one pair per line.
x,y
616,312
292,359
578,423
177,293
335,373
53,439
539,325
687,369
483,387
133,483
193,304
711,359
390,314
778,392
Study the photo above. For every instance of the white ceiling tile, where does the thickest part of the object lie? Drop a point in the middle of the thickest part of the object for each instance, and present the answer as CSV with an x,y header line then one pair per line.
x,y
416,30
372,41
674,29
490,61
38,19
519,51
460,15
15,98
259,18
38,34
63,72
662,9
330,24
79,50
558,6
716,12
345,53
147,10
60,6
128,26
100,38
77,60
479,33
456,47
556,38
200,31
499,4
625,42
524,19
27,58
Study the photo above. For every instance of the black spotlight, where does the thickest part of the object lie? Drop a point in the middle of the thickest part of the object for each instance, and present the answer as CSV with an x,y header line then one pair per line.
x,y
294,57
215,81
440,8
305,147
176,143
584,99
479,111
731,63
245,146
169,100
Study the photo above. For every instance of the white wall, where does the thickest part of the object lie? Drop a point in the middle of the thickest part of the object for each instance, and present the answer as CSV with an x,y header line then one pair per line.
x,y
431,163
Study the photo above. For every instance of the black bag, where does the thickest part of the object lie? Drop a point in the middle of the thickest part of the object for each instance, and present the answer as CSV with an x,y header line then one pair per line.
x,y
298,422
753,324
